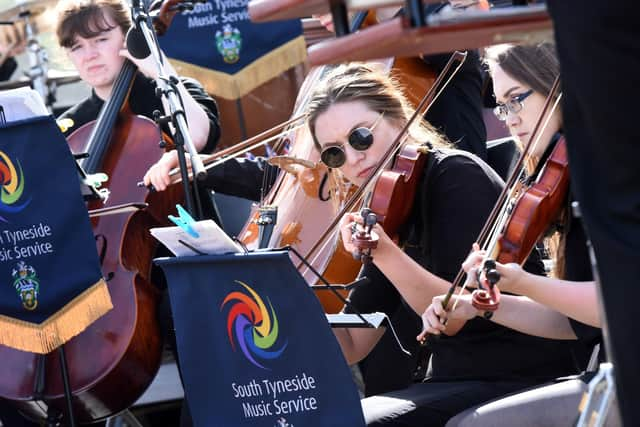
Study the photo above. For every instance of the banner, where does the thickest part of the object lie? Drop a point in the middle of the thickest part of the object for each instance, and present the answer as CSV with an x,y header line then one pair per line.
x,y
217,44
51,287
255,346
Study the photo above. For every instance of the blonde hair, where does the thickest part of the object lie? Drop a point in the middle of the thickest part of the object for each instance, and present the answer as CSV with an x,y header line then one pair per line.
x,y
379,92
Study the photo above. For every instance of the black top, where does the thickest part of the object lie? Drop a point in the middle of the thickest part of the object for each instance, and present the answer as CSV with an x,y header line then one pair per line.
x,y
7,68
578,268
144,102
455,198
247,178
458,111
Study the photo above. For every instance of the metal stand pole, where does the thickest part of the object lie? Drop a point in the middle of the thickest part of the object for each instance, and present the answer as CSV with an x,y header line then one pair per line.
x,y
67,386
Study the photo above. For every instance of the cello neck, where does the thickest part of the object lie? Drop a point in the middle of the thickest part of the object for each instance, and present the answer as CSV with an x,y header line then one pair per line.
x,y
99,140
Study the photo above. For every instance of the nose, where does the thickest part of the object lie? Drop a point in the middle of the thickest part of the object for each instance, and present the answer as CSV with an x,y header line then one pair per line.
x,y
513,119
353,157
90,51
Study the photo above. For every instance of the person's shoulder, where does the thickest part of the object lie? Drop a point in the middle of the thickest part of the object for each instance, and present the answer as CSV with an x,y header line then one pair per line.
x,y
450,163
82,113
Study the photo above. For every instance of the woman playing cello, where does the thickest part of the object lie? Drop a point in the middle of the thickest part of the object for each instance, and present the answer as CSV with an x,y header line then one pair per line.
x,y
93,36
354,116
563,307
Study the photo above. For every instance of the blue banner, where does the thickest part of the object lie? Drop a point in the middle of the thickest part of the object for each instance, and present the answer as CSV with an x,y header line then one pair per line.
x,y
254,344
51,287
218,44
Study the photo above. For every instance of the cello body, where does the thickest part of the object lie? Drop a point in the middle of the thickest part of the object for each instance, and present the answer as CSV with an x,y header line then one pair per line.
x,y
114,360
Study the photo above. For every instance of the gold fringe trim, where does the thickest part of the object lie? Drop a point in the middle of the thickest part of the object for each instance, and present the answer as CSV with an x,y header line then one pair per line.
x,y
234,86
65,324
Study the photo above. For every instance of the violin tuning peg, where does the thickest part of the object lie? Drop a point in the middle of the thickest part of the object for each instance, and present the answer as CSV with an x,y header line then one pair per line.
x,y
489,264
371,219
162,143
364,212
493,276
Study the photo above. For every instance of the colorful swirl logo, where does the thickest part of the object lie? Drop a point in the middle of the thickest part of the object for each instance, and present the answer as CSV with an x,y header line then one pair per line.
x,y
11,186
249,322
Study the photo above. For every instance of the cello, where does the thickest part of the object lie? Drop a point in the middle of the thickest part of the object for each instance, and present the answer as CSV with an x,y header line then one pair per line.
x,y
114,360
302,197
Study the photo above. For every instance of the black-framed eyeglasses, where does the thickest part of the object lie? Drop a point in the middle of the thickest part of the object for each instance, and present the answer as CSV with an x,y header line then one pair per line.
x,y
360,139
514,105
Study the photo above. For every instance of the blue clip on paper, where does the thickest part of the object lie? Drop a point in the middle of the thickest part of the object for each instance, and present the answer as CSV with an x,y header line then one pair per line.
x,y
184,221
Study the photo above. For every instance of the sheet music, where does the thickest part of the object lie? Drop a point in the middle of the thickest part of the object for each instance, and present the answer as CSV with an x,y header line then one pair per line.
x,y
21,103
344,320
212,239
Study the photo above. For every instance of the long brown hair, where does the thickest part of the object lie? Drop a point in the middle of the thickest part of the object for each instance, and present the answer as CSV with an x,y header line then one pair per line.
x,y
535,65
88,18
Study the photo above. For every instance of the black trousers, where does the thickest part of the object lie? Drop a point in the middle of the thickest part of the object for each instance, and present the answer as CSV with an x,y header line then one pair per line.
x,y
431,404
599,50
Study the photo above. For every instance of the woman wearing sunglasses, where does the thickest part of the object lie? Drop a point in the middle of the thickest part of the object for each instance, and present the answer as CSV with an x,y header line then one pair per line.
x,y
354,116
561,307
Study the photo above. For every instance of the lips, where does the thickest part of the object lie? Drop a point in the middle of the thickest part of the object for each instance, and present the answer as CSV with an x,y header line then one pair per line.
x,y
365,173
94,68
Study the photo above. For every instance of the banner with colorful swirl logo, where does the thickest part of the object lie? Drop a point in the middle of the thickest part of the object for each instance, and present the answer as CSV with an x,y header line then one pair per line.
x,y
254,344
51,287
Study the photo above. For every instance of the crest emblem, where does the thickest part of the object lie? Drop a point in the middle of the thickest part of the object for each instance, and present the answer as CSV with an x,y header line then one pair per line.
x,y
229,43
26,284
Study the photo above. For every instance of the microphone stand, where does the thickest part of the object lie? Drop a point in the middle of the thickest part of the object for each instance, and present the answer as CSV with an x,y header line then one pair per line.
x,y
167,90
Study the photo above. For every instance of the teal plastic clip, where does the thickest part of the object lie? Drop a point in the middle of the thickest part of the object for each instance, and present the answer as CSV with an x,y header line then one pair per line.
x,y
184,221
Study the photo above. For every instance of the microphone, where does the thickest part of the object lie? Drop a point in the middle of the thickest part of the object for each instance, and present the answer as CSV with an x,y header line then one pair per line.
x,y
136,43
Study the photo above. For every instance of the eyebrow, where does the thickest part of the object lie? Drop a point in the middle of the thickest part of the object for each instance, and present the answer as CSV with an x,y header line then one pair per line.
x,y
510,91
356,126
101,33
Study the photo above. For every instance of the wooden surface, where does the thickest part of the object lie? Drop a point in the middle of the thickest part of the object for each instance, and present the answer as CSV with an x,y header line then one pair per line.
x,y
275,10
394,38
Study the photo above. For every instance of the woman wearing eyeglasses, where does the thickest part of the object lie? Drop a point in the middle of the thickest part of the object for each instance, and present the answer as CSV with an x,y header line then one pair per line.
x,y
561,307
354,116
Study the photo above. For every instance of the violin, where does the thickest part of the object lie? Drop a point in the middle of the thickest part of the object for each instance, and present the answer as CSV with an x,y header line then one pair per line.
x,y
389,201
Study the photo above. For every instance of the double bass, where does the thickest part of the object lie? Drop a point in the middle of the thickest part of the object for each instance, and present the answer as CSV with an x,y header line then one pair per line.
x,y
114,360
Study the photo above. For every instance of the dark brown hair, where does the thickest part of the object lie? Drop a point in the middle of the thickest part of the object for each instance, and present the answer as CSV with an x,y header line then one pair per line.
x,y
535,65
88,18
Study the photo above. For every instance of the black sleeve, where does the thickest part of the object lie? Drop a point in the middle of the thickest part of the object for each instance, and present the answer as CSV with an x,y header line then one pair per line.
x,y
210,107
377,295
242,177
463,193
586,333
7,69
458,111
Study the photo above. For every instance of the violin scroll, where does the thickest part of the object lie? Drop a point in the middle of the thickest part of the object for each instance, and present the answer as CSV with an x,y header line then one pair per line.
x,y
363,237
163,11
487,297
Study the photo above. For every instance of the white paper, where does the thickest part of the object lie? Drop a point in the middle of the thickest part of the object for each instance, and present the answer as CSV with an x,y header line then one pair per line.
x,y
21,103
212,239
349,320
